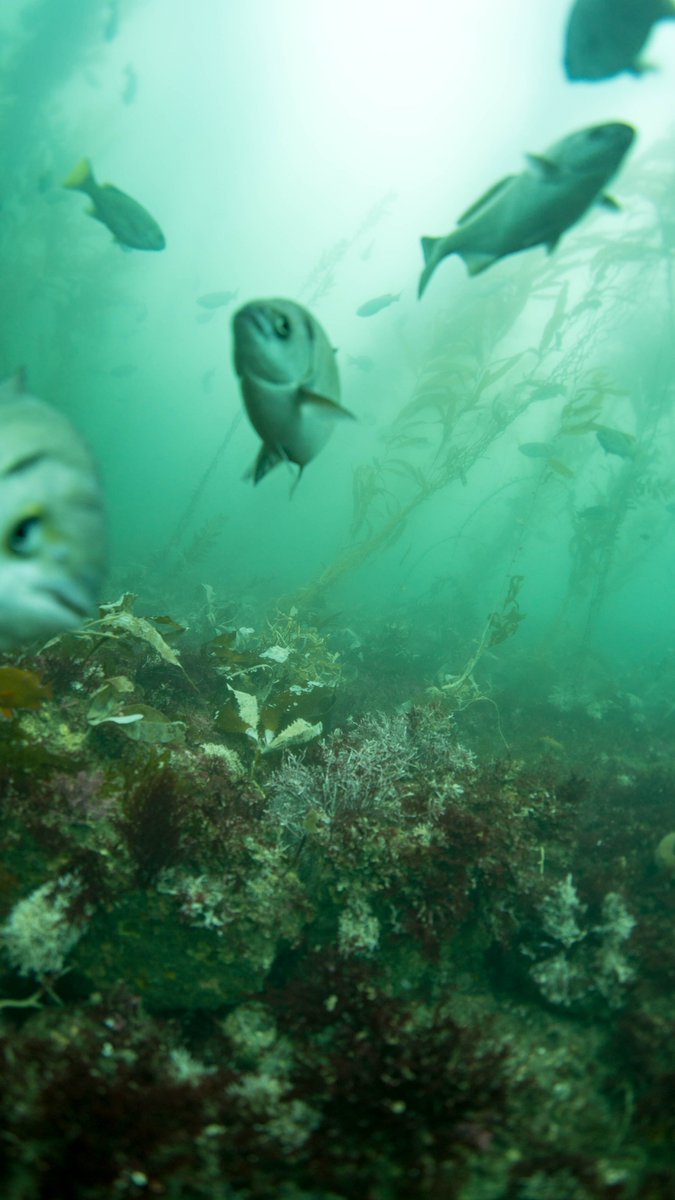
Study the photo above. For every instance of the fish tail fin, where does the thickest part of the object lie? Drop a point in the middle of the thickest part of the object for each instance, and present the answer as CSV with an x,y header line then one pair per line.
x,y
81,179
428,247
431,261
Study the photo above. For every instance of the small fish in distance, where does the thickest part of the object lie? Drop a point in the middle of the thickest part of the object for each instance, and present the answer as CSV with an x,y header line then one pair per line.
x,y
216,299
615,441
130,224
377,304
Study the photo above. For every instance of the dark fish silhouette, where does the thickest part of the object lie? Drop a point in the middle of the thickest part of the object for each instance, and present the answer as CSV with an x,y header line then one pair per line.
x,y
605,37
130,224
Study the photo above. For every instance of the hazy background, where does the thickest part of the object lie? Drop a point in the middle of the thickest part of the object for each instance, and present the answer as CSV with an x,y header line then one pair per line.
x,y
301,148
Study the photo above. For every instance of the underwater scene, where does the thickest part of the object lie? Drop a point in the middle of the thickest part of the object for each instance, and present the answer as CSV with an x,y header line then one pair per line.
x,y
337,630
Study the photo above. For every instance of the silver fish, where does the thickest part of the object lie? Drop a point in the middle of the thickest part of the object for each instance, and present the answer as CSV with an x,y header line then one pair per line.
x,y
130,224
52,552
289,381
371,307
605,37
539,205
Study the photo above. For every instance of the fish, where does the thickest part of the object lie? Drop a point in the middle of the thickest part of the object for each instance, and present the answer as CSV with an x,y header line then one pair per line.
x,y
594,512
362,361
128,94
559,468
604,38
536,449
371,307
615,441
537,206
130,224
52,523
289,381
217,299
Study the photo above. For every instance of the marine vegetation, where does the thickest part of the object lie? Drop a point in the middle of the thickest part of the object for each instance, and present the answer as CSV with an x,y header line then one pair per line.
x,y
343,940
337,837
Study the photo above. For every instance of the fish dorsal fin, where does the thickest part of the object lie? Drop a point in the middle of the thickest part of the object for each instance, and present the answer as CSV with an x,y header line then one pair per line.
x,y
484,199
544,167
307,396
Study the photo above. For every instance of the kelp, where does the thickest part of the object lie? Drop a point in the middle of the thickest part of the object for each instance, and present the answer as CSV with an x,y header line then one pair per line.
x,y
466,393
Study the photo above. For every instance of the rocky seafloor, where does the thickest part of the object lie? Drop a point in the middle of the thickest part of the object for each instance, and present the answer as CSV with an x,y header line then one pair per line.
x,y
269,929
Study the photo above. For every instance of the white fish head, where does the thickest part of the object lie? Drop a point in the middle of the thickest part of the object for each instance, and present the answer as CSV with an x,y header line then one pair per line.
x,y
276,341
52,535
598,149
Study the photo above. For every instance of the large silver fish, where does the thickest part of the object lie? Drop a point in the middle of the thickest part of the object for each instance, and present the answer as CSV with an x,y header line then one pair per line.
x,y
130,224
539,205
289,381
52,535
605,37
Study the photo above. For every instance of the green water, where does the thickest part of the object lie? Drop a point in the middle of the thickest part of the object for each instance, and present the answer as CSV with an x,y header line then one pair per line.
x,y
423,946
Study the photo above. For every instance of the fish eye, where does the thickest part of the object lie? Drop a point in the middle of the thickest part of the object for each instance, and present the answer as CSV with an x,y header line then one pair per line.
x,y
282,326
24,538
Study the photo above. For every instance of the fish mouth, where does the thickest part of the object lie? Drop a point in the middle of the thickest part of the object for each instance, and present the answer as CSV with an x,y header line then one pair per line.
x,y
70,598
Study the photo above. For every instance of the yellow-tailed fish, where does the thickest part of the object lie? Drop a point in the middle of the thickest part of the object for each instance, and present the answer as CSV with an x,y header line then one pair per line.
x,y
130,224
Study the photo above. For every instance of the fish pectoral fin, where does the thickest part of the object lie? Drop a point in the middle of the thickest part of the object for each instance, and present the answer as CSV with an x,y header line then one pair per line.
x,y
607,201
544,167
296,482
307,396
268,457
